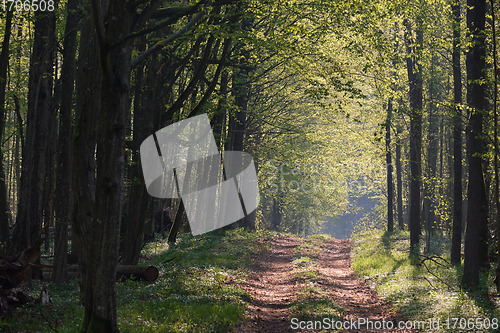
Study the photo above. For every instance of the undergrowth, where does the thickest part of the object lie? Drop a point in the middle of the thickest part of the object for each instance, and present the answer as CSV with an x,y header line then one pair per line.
x,y
197,290
425,287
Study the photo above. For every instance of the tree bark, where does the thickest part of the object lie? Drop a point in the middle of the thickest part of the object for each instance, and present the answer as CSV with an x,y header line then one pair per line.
x,y
63,181
100,298
399,180
34,171
495,117
456,240
144,103
172,235
219,120
476,236
4,64
432,157
416,87
88,90
388,156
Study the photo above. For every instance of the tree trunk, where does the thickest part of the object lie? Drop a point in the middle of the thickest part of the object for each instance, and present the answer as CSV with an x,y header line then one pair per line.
x,y
495,117
399,180
388,156
476,236
219,120
172,235
100,298
456,241
432,157
88,90
237,124
276,214
144,102
34,172
416,87
63,181
4,64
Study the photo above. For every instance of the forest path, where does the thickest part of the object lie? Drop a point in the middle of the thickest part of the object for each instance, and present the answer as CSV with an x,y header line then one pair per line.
x,y
273,288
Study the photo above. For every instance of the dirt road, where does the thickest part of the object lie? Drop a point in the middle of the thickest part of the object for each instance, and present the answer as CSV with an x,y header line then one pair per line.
x,y
273,287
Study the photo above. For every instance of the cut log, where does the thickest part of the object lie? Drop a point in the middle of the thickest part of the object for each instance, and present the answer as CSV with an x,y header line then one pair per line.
x,y
145,273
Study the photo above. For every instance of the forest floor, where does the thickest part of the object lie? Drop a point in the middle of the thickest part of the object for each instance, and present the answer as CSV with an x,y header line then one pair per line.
x,y
278,291
239,281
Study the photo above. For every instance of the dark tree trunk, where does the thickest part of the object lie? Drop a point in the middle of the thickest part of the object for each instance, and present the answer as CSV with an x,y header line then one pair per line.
x,y
219,121
63,182
277,216
145,104
172,236
388,156
456,241
495,117
399,180
100,298
416,83
237,123
88,90
432,157
476,236
34,172
4,64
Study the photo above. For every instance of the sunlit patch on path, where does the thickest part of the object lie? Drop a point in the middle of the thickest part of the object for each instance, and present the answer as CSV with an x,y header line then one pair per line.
x,y
273,287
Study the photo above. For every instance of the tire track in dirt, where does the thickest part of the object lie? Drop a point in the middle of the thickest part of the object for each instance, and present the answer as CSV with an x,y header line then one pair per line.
x,y
349,291
272,288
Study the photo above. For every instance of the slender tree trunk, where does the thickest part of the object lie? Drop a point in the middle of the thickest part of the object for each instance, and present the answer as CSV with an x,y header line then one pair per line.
x,y
172,235
416,87
388,156
476,236
219,121
399,180
432,157
276,214
495,127
4,64
238,121
63,181
456,241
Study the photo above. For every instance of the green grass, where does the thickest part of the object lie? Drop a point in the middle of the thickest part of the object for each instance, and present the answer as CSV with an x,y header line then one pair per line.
x,y
198,289
415,291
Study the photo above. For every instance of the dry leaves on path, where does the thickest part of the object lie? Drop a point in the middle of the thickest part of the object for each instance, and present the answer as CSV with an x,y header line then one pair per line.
x,y
273,288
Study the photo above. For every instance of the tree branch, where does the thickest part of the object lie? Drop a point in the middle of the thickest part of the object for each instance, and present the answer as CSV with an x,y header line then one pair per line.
x,y
211,87
158,46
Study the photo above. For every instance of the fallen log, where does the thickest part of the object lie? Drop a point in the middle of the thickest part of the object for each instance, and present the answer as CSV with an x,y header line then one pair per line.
x,y
145,273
